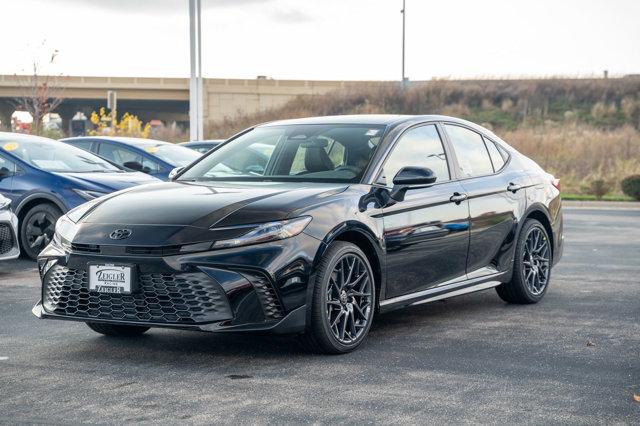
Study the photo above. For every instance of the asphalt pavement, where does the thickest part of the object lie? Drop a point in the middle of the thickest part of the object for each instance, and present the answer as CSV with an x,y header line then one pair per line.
x,y
572,358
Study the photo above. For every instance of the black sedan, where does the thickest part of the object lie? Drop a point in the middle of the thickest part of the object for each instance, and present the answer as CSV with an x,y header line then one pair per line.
x,y
310,227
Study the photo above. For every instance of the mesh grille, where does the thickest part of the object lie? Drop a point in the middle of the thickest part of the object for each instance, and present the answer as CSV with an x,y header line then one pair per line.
x,y
267,296
161,298
6,238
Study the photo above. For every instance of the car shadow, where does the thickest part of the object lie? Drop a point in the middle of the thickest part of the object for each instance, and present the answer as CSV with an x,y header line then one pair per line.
x,y
185,348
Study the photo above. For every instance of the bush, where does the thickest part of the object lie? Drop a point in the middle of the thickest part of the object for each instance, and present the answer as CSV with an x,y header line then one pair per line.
x,y
599,188
631,186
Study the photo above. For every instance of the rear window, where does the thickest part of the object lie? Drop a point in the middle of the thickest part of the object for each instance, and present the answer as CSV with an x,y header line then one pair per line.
x,y
496,157
473,157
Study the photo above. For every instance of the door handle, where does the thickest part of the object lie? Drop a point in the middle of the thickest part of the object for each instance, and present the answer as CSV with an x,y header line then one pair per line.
x,y
458,197
513,187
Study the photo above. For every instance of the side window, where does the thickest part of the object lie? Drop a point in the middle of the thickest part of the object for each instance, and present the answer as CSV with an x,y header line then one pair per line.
x,y
496,158
472,155
418,147
336,152
82,144
121,156
150,166
7,167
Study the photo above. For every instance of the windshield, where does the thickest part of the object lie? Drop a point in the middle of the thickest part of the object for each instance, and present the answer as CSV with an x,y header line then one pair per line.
x,y
54,156
310,152
178,156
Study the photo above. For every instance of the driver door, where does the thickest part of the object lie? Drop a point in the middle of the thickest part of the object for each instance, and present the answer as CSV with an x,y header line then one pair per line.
x,y
7,172
427,234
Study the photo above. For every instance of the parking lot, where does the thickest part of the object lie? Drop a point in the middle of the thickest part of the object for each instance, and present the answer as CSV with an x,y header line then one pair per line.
x,y
573,358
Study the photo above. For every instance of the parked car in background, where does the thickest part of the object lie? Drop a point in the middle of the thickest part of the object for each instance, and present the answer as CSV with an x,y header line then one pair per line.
x,y
328,220
45,178
9,247
155,158
203,146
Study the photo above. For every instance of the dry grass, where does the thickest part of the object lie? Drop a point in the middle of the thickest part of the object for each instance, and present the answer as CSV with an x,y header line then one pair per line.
x,y
580,154
583,131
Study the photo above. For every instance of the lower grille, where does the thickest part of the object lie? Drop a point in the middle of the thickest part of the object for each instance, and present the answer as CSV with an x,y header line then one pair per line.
x,y
6,238
266,294
188,298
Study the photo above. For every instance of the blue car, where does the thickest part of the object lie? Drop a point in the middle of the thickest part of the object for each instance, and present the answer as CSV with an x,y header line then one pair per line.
x,y
44,178
155,158
202,146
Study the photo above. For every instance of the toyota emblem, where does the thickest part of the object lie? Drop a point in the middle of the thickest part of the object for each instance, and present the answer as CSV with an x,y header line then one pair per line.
x,y
120,234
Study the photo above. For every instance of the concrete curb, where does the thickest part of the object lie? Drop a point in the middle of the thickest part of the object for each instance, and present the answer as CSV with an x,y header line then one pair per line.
x,y
601,205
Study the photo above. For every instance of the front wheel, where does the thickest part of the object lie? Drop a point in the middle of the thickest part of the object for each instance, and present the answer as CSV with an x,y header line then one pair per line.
x,y
531,268
37,228
117,330
343,301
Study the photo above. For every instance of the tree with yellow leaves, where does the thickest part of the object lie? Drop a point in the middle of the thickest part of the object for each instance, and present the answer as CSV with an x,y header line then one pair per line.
x,y
109,125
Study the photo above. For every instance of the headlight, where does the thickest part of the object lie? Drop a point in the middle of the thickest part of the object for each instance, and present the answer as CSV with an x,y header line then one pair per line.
x,y
88,195
4,203
75,214
270,231
65,231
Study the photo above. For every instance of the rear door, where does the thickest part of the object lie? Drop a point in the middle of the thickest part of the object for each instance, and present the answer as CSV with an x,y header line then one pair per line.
x,y
427,234
496,199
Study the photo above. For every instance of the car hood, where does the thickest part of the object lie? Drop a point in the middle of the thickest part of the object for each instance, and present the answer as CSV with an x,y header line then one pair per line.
x,y
206,205
107,182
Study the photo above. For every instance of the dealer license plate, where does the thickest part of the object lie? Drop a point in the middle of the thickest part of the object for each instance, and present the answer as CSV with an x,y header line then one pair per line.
x,y
110,278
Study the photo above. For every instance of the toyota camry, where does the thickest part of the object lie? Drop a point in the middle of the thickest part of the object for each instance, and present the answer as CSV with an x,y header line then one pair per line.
x,y
310,227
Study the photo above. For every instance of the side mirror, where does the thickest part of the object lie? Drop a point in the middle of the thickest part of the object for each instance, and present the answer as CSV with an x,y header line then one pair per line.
x,y
411,178
174,172
133,165
4,173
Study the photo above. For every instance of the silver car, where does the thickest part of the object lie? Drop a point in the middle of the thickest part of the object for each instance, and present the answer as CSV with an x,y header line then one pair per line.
x,y
9,248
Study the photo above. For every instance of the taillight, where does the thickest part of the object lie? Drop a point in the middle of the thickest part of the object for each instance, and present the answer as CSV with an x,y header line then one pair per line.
x,y
556,183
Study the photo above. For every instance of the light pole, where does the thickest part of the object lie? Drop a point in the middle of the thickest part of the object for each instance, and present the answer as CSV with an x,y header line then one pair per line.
x,y
404,14
196,128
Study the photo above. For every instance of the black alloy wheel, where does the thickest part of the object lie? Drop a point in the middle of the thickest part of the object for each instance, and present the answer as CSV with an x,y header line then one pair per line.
x,y
531,266
343,301
535,261
37,228
348,299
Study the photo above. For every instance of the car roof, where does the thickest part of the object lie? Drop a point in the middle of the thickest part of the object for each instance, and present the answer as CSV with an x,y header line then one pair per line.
x,y
390,120
120,139
368,119
207,142
10,136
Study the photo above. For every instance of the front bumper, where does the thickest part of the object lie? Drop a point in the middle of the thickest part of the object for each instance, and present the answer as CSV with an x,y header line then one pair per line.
x,y
9,247
253,288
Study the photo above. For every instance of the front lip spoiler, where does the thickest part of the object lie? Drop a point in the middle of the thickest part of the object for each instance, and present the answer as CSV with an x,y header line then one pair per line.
x,y
292,323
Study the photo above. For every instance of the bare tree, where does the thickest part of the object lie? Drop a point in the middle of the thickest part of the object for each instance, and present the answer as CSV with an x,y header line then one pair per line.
x,y
40,94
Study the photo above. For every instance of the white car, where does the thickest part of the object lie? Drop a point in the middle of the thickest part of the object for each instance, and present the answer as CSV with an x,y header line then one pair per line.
x,y
9,248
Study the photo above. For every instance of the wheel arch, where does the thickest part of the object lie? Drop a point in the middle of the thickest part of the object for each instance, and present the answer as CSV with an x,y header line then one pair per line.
x,y
539,212
364,238
34,199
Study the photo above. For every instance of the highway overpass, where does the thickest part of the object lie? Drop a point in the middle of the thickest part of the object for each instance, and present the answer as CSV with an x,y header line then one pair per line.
x,y
167,99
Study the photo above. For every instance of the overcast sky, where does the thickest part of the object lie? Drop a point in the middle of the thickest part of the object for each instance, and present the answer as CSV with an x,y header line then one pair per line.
x,y
324,39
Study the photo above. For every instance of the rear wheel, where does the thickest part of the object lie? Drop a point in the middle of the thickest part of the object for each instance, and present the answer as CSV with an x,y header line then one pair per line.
x,y
343,300
37,228
532,266
116,329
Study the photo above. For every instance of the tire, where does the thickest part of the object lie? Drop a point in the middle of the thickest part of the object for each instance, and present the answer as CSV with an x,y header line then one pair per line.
x,y
117,330
532,260
37,228
346,301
